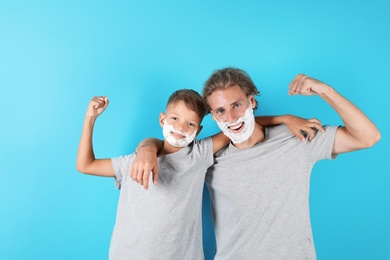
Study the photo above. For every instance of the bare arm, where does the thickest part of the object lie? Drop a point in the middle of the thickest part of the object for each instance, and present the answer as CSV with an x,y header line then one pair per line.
x,y
358,132
297,125
146,161
86,161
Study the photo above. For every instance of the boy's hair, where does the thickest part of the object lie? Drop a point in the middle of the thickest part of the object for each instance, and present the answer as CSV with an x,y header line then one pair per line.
x,y
228,77
191,99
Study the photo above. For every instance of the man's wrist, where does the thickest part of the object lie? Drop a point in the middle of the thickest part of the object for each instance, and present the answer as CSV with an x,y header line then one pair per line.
x,y
147,149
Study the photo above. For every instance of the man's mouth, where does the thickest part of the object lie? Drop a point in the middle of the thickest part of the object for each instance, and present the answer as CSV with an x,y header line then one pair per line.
x,y
236,128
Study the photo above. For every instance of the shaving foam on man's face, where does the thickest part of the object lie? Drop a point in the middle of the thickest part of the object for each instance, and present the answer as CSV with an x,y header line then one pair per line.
x,y
177,138
241,129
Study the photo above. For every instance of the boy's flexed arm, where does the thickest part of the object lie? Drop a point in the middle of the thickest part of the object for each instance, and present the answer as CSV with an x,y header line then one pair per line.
x,y
359,131
86,161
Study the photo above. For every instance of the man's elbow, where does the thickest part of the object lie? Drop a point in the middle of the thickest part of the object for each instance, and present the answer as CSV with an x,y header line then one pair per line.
x,y
373,139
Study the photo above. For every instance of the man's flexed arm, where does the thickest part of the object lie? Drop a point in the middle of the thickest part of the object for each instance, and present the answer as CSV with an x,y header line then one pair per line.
x,y
86,161
358,132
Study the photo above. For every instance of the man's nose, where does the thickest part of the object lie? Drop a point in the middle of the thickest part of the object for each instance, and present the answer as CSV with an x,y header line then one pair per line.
x,y
231,117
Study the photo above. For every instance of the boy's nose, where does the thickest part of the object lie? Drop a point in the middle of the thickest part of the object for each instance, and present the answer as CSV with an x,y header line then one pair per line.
x,y
180,127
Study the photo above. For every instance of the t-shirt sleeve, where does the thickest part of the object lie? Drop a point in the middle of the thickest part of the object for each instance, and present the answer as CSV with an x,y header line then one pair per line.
x,y
121,166
321,146
204,151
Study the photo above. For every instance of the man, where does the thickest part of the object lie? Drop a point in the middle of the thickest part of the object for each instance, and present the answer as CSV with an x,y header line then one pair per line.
x,y
259,184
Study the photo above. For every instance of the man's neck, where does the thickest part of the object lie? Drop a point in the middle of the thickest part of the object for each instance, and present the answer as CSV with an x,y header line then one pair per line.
x,y
256,137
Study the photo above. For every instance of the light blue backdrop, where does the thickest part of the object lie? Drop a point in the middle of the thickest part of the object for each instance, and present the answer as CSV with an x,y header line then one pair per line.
x,y
56,55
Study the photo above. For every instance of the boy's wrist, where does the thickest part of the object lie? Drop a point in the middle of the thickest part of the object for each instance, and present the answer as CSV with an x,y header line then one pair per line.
x,y
284,119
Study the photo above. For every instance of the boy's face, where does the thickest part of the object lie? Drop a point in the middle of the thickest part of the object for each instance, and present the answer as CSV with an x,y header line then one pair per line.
x,y
183,120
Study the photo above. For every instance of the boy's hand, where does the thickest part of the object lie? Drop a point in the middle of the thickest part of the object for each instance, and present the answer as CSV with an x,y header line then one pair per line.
x,y
298,126
144,163
96,106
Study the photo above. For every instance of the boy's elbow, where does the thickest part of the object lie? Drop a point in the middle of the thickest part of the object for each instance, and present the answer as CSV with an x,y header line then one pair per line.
x,y
81,168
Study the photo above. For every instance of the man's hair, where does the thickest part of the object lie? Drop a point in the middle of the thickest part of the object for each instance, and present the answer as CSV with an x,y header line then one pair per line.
x,y
228,77
191,99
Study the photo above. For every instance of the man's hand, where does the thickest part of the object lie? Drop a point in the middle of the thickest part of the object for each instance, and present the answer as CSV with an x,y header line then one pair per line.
x,y
304,85
96,106
145,163
298,126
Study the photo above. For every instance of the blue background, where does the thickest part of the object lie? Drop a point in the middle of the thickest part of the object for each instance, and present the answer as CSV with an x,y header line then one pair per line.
x,y
56,55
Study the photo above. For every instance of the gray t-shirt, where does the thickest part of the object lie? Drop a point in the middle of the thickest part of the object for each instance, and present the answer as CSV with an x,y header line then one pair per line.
x,y
165,221
260,196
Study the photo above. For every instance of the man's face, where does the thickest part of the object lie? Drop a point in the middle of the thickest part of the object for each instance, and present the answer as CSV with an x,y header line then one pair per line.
x,y
228,105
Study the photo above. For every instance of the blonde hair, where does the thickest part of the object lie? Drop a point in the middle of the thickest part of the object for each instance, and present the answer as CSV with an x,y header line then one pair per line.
x,y
228,77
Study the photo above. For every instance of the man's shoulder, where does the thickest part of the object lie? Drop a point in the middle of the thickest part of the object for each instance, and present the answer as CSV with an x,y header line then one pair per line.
x,y
277,130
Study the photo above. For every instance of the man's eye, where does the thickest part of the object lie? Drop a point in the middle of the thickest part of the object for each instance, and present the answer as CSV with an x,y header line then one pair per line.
x,y
237,105
220,111
192,124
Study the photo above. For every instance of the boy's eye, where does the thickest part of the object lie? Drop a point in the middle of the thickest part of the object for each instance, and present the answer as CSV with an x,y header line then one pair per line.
x,y
174,118
192,124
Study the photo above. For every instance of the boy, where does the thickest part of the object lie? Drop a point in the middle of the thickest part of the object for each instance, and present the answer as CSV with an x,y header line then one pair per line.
x,y
171,229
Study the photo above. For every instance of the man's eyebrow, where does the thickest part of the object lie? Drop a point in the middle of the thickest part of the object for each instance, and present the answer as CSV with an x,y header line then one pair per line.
x,y
235,102
216,109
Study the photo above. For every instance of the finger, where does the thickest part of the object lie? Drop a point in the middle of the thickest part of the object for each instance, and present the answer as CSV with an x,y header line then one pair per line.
x,y
106,101
293,85
146,179
98,103
140,177
310,131
317,124
133,173
155,175
302,85
299,135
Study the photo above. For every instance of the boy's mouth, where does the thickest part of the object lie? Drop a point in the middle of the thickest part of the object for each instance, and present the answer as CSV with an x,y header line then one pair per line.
x,y
177,136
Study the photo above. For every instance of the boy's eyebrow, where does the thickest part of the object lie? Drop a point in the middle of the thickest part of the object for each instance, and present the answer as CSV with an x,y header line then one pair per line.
x,y
196,120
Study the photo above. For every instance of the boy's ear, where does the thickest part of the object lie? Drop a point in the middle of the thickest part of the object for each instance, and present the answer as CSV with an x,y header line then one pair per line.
x,y
162,118
199,129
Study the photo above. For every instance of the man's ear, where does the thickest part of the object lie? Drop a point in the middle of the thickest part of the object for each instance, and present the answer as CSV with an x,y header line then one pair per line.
x,y
252,100
162,119
199,129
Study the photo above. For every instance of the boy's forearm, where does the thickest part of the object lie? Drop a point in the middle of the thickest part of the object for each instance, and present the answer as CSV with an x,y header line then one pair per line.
x,y
85,155
271,120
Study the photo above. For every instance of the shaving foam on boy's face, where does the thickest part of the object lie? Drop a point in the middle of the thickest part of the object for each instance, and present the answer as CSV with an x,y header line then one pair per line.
x,y
247,122
177,138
